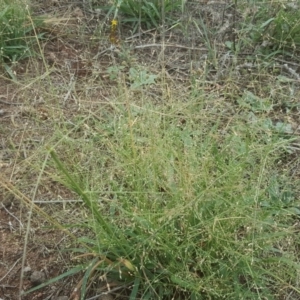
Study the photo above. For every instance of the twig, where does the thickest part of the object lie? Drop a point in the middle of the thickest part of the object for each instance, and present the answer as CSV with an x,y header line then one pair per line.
x,y
292,72
167,45
70,88
10,269
148,46
9,103
287,62
108,292
104,51
56,201
12,215
138,34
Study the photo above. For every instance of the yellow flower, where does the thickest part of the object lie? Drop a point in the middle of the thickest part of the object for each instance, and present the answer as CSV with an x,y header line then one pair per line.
x,y
113,32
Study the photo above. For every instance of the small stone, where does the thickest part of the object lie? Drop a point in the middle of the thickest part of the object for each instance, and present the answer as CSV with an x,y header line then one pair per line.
x,y
27,270
106,297
37,277
78,13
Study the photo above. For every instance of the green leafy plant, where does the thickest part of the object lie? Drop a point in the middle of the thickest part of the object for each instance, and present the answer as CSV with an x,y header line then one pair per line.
x,y
285,33
272,30
176,210
140,78
16,26
114,71
146,13
255,103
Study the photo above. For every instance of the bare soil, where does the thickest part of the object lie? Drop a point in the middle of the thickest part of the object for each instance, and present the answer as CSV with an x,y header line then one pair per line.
x,y
31,253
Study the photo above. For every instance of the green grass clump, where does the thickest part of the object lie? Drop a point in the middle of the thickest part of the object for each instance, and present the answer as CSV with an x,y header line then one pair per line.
x,y
16,26
272,29
145,13
286,30
181,202
148,13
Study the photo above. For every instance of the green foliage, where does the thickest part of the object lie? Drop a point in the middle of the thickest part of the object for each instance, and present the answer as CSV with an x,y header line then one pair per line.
x,y
16,26
140,78
178,210
147,12
285,33
255,103
273,29
114,71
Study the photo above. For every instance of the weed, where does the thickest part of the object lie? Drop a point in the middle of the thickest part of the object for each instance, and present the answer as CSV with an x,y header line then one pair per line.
x,y
145,13
178,210
285,34
140,78
272,30
15,28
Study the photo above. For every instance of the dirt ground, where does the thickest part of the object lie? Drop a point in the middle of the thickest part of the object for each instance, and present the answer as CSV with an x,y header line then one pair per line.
x,y
30,250
29,257
42,258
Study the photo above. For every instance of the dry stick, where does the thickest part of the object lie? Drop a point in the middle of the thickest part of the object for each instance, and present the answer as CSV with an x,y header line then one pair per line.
x,y
21,225
29,223
168,45
163,36
57,201
109,292
111,48
19,150
163,48
70,88
140,20
234,26
9,103
10,269
287,62
138,34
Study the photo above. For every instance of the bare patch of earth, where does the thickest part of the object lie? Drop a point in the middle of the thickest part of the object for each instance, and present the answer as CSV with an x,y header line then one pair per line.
x,y
43,259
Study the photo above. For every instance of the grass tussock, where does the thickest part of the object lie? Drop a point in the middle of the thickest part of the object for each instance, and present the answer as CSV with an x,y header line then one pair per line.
x,y
186,186
181,201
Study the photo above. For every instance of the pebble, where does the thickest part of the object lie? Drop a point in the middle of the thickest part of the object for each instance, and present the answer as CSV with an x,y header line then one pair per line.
x,y
105,297
61,298
37,277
